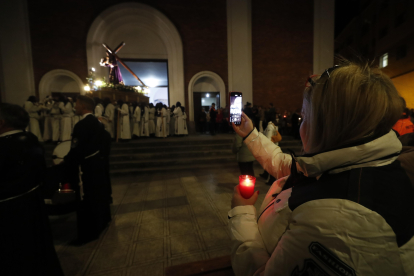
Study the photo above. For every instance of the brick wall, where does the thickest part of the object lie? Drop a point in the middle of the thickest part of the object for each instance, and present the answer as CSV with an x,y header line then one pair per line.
x,y
282,44
59,29
282,34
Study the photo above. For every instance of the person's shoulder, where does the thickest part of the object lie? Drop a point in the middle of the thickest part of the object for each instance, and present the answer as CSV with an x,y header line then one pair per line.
x,y
19,141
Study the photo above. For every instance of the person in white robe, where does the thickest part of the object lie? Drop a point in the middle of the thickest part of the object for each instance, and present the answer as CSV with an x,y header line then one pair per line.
x,y
99,109
74,117
131,107
185,120
32,107
151,119
161,130
144,120
110,116
66,109
47,129
125,127
179,122
167,120
137,122
56,118
172,120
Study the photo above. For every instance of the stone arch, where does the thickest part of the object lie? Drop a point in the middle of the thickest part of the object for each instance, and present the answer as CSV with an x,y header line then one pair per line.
x,y
62,80
216,80
133,18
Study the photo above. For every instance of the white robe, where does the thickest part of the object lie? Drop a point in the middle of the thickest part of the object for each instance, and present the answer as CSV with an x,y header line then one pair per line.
x,y
48,129
185,123
168,120
34,119
56,117
172,123
271,130
137,122
144,123
131,118
125,127
179,122
161,130
99,110
151,121
66,121
110,115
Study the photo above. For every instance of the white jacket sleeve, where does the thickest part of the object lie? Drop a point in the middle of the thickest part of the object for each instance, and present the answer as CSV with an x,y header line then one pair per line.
x,y
269,155
247,246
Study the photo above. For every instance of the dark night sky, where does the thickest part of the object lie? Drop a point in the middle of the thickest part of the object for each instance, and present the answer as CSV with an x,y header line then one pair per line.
x,y
345,10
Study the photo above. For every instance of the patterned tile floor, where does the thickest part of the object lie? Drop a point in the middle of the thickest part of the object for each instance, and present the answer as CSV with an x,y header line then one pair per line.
x,y
159,220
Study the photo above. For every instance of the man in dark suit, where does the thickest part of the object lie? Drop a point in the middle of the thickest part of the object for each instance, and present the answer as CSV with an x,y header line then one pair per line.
x,y
89,158
26,242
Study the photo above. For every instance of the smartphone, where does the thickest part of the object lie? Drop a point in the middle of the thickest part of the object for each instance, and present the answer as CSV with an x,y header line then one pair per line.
x,y
235,107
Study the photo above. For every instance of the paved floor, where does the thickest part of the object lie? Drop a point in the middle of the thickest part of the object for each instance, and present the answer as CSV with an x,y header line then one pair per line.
x,y
159,220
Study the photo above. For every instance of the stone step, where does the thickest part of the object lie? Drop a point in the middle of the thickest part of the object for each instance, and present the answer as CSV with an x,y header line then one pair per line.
x,y
156,142
172,168
185,161
176,148
116,157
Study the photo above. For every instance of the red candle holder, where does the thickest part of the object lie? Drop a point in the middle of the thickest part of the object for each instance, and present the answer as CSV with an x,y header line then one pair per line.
x,y
246,185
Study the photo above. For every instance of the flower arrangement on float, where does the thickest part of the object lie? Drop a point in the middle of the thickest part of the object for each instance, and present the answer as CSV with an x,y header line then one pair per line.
x,y
94,84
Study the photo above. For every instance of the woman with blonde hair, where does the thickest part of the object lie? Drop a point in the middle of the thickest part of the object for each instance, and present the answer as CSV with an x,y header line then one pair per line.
x,y
345,206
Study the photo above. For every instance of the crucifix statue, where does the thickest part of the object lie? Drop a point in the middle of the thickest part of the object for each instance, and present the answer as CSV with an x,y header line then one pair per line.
x,y
115,76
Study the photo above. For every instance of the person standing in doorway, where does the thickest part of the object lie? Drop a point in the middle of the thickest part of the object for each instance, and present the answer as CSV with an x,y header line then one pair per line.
x,y
213,117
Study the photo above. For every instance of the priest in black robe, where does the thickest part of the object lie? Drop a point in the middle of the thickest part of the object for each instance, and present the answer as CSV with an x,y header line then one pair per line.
x,y
88,158
26,242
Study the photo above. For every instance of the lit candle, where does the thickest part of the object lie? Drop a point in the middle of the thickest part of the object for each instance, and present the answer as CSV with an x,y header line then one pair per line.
x,y
246,184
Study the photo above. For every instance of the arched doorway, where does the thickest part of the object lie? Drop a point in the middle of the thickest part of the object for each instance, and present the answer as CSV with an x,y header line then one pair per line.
x,y
59,80
204,82
148,34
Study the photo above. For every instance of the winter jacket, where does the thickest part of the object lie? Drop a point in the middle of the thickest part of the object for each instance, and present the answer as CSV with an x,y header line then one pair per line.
x,y
243,153
347,211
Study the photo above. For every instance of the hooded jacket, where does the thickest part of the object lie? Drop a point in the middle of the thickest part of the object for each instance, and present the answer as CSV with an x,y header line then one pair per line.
x,y
347,211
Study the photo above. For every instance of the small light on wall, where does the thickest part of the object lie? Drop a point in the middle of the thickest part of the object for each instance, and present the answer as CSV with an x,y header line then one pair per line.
x,y
93,69
98,83
208,95
87,88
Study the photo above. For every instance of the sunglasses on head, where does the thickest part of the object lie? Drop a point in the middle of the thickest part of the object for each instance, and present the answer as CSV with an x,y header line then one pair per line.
x,y
327,72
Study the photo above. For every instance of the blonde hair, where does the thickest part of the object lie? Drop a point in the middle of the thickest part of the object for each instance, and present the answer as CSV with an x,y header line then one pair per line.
x,y
353,102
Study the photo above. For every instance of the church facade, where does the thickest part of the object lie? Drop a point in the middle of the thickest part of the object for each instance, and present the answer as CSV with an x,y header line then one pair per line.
x,y
265,49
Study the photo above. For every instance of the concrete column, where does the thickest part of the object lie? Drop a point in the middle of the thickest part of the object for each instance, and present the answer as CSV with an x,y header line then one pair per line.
x,y
16,68
323,35
239,48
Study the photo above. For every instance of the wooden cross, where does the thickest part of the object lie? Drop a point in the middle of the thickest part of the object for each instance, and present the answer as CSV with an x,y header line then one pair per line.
x,y
121,62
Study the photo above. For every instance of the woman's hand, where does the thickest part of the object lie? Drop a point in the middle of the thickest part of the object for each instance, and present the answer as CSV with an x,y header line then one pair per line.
x,y
245,127
238,200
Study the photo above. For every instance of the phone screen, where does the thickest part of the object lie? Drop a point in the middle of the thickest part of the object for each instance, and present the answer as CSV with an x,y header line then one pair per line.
x,y
235,108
